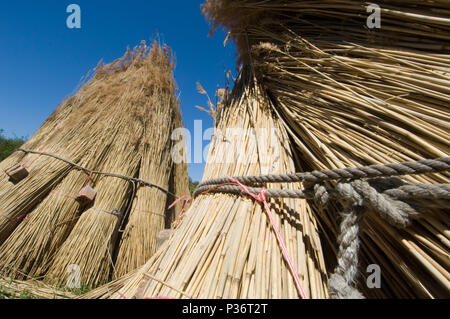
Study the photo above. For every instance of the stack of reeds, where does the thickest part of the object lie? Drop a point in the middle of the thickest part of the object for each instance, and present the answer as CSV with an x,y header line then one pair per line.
x,y
149,210
225,246
350,96
119,122
30,289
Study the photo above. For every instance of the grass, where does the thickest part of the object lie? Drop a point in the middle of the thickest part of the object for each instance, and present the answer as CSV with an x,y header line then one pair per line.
x,y
8,145
7,294
192,185
78,291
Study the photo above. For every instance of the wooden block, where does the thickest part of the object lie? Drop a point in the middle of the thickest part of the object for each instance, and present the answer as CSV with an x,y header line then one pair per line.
x,y
86,195
16,173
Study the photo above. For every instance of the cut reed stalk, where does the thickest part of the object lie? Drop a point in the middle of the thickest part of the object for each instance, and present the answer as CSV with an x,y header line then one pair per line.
x,y
109,126
32,289
225,246
350,96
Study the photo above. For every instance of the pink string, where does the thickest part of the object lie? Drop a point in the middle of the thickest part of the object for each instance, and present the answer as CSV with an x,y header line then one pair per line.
x,y
89,178
186,199
122,295
262,199
25,217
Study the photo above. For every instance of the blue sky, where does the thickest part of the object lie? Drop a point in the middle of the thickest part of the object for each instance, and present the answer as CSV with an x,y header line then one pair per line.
x,y
42,61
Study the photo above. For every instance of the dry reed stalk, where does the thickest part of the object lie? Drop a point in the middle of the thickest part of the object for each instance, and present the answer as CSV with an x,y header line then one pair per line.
x,y
109,125
180,176
349,96
14,289
148,212
412,25
108,290
49,224
91,243
224,246
72,119
47,227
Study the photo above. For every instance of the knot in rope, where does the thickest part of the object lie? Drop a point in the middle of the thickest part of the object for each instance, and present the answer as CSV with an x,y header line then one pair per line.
x,y
379,195
358,189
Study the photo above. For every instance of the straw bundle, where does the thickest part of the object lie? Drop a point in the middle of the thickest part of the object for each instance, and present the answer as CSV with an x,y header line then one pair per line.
x,y
109,126
224,246
149,208
350,96
32,289
179,181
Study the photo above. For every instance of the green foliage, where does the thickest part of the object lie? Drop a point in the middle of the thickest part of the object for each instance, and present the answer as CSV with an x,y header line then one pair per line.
x,y
3,294
192,186
25,294
8,145
76,291
8,294
79,291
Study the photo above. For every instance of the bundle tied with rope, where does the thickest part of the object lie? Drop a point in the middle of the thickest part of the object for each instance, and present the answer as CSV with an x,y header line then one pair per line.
x,y
348,96
369,188
90,204
135,182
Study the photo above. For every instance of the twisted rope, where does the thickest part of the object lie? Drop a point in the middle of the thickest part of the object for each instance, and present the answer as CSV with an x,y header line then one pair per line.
x,y
359,190
393,169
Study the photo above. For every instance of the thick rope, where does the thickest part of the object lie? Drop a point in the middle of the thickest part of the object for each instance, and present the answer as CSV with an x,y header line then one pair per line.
x,y
358,197
341,282
359,190
387,170
416,192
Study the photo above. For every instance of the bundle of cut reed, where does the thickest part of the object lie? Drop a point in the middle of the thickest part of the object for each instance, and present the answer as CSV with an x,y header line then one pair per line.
x,y
32,289
149,208
179,177
108,126
224,246
351,96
